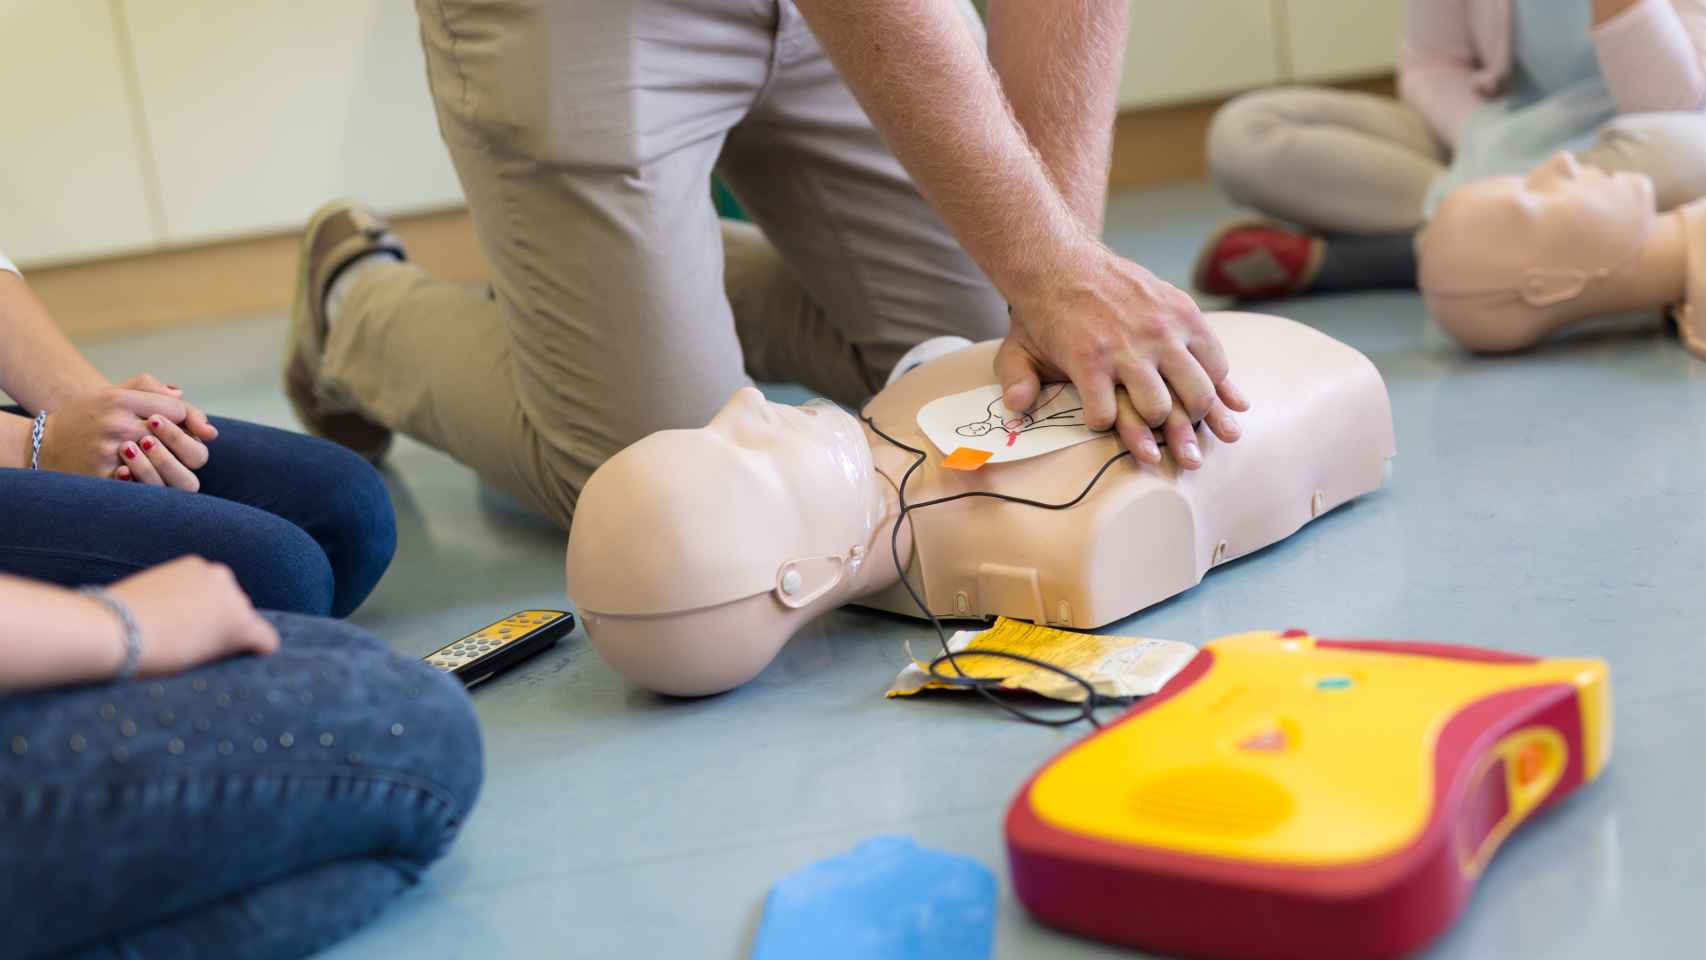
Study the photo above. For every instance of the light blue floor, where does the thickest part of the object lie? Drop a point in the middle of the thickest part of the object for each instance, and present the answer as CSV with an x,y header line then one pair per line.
x,y
1553,503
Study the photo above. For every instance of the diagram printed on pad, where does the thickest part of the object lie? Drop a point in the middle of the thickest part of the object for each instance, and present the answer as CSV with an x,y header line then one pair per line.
x,y
978,420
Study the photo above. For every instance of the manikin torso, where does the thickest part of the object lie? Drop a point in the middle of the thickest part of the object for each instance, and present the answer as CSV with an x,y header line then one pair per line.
x,y
1318,434
678,617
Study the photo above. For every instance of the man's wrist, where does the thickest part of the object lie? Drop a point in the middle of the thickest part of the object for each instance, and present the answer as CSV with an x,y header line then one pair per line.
x,y
1040,268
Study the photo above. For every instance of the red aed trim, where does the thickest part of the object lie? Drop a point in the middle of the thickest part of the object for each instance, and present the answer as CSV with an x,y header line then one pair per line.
x,y
1442,650
1204,906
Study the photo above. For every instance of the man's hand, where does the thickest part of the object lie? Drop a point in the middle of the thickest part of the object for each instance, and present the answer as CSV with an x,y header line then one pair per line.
x,y
1104,323
1079,310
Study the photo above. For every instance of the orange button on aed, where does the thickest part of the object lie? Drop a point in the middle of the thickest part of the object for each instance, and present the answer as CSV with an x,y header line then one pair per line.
x,y
1530,763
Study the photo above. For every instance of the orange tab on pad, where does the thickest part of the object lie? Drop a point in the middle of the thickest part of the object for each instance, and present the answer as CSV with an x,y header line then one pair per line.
x,y
965,458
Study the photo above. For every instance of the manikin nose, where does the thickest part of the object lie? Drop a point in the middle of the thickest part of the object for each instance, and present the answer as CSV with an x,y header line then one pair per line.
x,y
1559,167
1562,166
749,402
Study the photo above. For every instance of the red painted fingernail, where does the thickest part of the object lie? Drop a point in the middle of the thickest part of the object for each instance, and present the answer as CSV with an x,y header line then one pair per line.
x,y
130,453
147,443
154,423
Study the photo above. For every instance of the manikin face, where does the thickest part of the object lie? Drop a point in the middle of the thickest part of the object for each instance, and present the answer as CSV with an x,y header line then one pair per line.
x,y
1544,234
685,519
813,456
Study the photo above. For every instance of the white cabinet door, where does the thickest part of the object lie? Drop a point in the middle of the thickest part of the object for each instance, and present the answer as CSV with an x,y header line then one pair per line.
x,y
1191,51
71,181
1339,39
259,111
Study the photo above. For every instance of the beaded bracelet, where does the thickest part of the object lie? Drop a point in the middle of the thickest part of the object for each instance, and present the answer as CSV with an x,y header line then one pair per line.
x,y
132,633
36,432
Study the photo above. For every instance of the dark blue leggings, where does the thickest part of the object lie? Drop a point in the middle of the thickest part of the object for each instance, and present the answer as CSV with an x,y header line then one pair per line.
x,y
306,525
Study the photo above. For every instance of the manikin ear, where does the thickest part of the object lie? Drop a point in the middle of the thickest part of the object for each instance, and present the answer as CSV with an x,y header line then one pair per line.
x,y
800,582
1545,286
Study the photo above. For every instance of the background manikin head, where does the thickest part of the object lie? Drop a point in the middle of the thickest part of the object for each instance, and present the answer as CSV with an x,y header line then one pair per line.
x,y
781,501
1505,260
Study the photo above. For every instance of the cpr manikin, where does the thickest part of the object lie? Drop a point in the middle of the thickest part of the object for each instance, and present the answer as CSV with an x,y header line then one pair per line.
x,y
696,554
1507,260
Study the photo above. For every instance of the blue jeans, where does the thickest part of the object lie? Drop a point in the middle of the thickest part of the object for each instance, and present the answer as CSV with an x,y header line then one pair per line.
x,y
306,525
259,807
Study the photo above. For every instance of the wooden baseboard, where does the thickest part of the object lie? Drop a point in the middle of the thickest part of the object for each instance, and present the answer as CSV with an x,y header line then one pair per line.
x,y
1168,144
220,281
243,278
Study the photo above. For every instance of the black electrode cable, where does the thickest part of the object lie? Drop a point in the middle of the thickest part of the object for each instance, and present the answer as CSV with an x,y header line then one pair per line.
x,y
986,685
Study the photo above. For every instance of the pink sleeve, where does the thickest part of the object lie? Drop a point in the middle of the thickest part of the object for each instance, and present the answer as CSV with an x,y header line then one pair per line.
x,y
1653,56
1437,65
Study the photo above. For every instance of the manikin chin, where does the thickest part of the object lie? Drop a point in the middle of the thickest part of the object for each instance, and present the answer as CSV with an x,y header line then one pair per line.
x,y
696,554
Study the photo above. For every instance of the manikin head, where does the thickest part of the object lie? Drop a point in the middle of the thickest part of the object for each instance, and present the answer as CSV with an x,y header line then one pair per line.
x,y
698,553
1506,260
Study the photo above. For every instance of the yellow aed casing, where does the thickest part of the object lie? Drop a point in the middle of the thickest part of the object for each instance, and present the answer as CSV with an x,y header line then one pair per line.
x,y
1291,796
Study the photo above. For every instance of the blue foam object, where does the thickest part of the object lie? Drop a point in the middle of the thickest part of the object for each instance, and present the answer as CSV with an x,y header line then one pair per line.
x,y
887,899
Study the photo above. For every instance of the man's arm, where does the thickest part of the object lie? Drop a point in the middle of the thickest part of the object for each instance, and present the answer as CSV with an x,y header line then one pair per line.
x,y
1059,64
1079,309
916,68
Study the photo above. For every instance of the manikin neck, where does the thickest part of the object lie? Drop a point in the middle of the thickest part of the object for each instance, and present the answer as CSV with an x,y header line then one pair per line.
x,y
1655,280
878,572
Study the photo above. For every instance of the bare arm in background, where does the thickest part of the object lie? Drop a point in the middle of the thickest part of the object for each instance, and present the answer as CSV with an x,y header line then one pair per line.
x,y
1079,309
39,368
188,612
1604,10
1652,53
90,419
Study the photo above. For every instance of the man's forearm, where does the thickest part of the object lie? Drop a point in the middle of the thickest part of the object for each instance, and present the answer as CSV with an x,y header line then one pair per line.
x,y
916,68
1059,64
39,367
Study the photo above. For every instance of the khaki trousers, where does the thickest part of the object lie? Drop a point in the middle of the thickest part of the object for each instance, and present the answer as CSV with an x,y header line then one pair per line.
x,y
584,133
1339,161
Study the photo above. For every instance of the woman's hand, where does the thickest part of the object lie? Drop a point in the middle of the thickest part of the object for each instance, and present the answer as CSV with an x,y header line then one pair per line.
x,y
108,432
164,459
191,612
194,420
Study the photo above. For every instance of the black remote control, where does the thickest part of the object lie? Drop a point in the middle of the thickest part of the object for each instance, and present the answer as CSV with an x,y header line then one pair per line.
x,y
495,648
